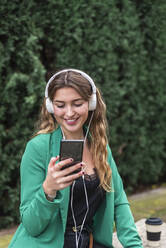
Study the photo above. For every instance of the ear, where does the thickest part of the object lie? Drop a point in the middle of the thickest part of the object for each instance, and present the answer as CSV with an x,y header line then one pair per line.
x,y
49,106
92,102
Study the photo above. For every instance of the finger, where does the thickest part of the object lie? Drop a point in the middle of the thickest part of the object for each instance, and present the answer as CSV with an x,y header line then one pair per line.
x,y
68,180
84,166
62,163
53,161
71,178
65,185
70,169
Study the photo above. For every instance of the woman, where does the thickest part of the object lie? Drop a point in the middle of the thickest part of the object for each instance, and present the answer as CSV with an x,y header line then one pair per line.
x,y
60,208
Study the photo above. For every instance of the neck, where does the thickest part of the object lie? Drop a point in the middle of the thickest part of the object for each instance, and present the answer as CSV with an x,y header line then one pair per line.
x,y
73,136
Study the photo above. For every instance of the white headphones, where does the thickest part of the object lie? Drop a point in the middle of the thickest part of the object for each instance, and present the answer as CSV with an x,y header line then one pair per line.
x,y
92,100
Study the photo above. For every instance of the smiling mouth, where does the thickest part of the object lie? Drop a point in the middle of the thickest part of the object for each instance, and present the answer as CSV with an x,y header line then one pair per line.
x,y
71,121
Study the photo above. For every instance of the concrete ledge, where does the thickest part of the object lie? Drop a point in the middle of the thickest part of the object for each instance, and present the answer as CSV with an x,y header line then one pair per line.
x,y
142,232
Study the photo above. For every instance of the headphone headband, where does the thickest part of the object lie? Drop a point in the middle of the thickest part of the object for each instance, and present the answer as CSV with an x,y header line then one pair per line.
x,y
73,70
92,101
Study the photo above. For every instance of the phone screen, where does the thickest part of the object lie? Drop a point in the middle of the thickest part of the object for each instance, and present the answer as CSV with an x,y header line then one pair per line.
x,y
71,149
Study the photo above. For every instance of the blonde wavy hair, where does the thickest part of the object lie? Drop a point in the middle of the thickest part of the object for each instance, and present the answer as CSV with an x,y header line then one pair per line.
x,y
97,139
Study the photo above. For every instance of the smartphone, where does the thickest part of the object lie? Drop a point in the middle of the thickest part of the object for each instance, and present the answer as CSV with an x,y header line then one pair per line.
x,y
71,149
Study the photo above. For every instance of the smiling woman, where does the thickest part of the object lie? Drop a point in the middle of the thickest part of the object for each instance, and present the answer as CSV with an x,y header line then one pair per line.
x,y
70,112
62,202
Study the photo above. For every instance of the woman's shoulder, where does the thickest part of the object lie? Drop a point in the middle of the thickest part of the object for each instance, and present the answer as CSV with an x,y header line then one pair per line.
x,y
43,140
111,159
109,153
38,145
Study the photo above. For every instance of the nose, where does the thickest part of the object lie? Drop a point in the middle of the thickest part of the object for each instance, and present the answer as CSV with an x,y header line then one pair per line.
x,y
69,111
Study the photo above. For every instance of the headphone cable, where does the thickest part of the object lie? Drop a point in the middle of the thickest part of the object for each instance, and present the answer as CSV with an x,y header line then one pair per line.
x,y
86,195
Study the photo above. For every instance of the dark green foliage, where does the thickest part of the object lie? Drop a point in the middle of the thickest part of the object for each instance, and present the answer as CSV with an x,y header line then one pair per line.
x,y
121,44
21,91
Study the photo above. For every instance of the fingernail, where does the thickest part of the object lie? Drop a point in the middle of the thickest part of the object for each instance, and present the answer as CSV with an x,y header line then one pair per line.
x,y
81,164
71,160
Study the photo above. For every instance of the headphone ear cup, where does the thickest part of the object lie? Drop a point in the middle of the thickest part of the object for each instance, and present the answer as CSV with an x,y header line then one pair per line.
x,y
49,106
92,102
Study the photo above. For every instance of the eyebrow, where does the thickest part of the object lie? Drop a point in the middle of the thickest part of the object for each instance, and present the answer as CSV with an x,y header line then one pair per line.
x,y
78,99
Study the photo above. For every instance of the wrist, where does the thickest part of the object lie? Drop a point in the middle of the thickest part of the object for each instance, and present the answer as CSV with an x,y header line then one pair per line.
x,y
50,194
50,197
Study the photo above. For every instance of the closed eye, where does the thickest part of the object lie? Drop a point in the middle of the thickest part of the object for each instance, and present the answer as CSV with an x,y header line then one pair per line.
x,y
78,105
60,106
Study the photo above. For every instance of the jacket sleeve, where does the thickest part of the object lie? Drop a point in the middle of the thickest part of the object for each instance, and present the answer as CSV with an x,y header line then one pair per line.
x,y
124,221
35,210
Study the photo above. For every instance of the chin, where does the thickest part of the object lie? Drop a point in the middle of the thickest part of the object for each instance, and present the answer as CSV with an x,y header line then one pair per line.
x,y
73,129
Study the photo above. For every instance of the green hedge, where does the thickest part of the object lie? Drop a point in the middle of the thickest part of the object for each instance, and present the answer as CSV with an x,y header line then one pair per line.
x,y
121,44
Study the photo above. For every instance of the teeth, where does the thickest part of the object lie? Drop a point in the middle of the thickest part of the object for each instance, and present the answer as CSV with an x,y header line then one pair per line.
x,y
70,120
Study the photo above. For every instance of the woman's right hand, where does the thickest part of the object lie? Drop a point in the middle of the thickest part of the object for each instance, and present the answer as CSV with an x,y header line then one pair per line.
x,y
58,179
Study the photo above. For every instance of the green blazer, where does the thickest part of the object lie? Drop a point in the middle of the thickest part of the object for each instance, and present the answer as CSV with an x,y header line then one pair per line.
x,y
43,222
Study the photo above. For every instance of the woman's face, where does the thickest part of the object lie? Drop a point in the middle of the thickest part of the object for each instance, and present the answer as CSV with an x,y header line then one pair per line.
x,y
70,111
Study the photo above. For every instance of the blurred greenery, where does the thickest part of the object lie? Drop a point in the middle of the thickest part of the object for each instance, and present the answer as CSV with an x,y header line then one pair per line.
x,y
5,240
120,44
149,206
